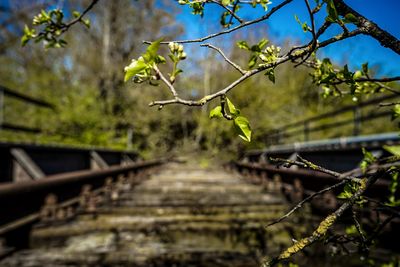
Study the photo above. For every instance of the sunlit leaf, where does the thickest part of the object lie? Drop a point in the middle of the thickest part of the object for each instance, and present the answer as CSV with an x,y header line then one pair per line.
x,y
151,51
134,68
395,150
232,109
216,112
242,127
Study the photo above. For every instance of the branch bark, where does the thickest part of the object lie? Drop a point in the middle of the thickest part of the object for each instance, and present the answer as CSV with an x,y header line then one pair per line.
x,y
368,27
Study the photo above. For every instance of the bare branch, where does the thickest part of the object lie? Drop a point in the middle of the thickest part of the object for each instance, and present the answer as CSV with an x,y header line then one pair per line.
x,y
306,164
79,18
327,223
166,81
245,24
314,40
233,64
307,199
232,12
224,91
368,27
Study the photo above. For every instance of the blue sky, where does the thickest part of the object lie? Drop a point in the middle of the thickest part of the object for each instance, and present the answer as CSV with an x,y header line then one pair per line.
x,y
282,28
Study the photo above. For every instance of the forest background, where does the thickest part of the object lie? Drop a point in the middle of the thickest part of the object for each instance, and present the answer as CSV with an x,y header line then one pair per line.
x,y
94,107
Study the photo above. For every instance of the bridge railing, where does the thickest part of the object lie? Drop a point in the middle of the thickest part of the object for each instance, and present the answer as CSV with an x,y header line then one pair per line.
x,y
6,92
319,123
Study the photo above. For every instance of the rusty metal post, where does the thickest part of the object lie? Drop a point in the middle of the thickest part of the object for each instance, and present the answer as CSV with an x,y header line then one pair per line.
x,y
48,213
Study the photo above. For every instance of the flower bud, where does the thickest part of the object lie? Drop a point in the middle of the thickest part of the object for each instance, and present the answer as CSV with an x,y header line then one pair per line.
x,y
182,56
171,46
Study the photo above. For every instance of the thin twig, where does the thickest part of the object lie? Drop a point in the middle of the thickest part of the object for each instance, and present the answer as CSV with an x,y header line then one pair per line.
x,y
219,50
307,199
234,15
314,40
327,223
245,24
358,227
388,104
306,164
165,80
224,91
231,12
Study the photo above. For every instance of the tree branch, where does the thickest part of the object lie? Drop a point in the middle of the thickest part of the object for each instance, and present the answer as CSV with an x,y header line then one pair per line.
x,y
325,224
368,27
233,64
165,80
307,199
245,24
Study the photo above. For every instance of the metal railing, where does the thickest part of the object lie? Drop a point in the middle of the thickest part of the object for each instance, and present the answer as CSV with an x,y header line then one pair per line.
x,y
306,127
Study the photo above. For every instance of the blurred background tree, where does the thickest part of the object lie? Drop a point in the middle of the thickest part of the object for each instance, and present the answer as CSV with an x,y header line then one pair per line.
x,y
95,107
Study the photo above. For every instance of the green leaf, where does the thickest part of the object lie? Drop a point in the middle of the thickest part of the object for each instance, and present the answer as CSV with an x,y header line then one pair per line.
x,y
86,22
365,68
243,45
226,2
160,59
76,14
24,40
252,61
351,18
367,160
232,109
216,112
303,25
262,43
177,71
331,9
395,150
242,127
134,68
151,51
396,112
271,75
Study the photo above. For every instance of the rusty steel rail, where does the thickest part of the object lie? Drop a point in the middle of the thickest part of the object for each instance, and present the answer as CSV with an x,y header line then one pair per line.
x,y
311,181
21,202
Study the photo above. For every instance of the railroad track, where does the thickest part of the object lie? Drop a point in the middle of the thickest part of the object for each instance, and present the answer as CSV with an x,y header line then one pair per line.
x,y
60,197
184,215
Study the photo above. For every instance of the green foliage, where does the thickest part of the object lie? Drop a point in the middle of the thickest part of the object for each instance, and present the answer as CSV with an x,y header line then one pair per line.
x,y
268,56
51,26
303,25
216,112
393,201
395,150
348,191
328,76
197,7
241,124
143,68
331,11
227,2
367,160
396,112
176,55
263,3
242,127
351,230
